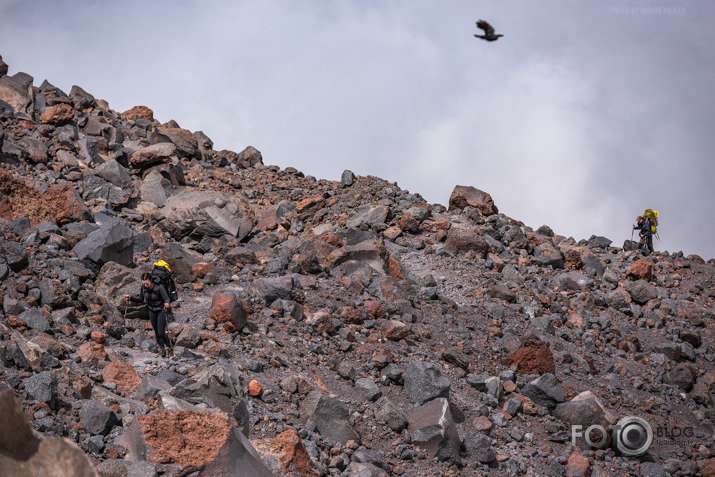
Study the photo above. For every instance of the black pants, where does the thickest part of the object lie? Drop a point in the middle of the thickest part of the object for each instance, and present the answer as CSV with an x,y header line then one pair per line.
x,y
647,243
158,323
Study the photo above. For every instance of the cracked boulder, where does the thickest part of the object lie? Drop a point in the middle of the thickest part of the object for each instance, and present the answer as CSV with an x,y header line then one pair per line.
x,y
198,213
431,426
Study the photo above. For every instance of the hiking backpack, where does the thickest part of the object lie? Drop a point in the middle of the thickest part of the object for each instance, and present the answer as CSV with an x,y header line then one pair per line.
x,y
652,215
161,274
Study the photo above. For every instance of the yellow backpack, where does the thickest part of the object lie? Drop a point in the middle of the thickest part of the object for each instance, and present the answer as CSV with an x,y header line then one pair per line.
x,y
652,215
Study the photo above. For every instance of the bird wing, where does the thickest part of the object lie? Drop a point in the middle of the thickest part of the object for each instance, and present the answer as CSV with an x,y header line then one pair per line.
x,y
488,29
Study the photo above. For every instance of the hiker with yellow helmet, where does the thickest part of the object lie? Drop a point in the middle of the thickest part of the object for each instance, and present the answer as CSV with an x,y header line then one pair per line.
x,y
646,225
158,303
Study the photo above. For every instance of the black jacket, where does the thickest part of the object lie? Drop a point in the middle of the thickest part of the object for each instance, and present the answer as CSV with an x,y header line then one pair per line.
x,y
644,227
154,298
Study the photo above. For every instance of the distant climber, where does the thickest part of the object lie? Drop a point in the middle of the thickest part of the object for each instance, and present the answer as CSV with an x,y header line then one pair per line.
x,y
644,232
158,303
489,34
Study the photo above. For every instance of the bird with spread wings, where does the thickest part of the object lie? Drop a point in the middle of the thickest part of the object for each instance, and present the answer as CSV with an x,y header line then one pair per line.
x,y
489,34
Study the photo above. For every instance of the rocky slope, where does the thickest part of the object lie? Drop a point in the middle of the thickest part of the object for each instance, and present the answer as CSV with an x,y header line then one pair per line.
x,y
324,328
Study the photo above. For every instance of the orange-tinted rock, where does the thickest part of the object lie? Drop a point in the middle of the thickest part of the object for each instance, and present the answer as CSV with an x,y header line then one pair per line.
x,y
641,269
57,115
578,465
463,196
202,443
533,357
373,308
409,224
97,337
395,268
201,269
230,311
308,207
123,375
138,112
255,388
60,204
16,323
483,424
288,449
394,330
321,321
92,352
333,240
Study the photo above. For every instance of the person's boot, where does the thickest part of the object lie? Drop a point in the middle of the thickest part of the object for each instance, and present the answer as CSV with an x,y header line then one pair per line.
x,y
170,350
162,352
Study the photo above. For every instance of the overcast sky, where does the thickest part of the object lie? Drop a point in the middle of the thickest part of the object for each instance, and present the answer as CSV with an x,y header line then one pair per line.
x,y
584,114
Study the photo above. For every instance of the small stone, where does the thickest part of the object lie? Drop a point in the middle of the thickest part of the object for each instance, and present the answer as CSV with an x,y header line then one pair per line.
x,y
255,388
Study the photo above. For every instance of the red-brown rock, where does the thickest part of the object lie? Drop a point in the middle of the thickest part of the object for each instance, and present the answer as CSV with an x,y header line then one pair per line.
x,y
321,321
394,330
641,269
288,449
409,224
138,112
578,465
463,196
97,337
230,311
123,375
201,269
255,388
92,352
57,115
533,357
204,443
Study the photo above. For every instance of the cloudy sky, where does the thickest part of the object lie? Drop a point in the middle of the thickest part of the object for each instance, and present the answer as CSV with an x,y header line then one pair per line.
x,y
583,115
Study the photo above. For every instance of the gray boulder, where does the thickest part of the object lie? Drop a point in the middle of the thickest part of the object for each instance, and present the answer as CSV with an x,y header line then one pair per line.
x,y
425,382
97,418
584,410
200,213
15,256
545,391
478,447
463,239
641,291
331,417
113,172
347,178
156,189
389,414
271,289
54,294
548,255
41,386
369,214
35,319
431,426
150,386
368,389
17,91
112,242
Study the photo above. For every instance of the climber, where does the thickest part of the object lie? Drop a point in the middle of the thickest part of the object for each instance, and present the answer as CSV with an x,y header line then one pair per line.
x,y
645,233
157,301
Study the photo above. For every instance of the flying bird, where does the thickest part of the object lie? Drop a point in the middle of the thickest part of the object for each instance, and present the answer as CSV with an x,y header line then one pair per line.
x,y
489,34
